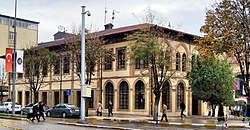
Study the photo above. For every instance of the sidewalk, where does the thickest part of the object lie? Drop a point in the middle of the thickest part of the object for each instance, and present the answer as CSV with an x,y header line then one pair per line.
x,y
192,121
128,121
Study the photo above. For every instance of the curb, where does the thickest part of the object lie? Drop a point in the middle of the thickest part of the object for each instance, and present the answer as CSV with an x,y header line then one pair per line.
x,y
97,126
170,123
10,127
122,120
154,122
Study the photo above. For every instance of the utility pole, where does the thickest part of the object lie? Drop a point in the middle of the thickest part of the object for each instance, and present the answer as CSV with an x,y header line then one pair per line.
x,y
83,64
61,71
14,65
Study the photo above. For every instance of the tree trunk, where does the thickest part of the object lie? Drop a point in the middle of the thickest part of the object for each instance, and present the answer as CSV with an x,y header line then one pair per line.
x,y
86,106
213,110
35,96
157,100
213,113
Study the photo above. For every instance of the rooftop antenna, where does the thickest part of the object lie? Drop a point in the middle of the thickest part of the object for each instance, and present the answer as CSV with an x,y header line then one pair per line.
x,y
113,15
105,13
169,25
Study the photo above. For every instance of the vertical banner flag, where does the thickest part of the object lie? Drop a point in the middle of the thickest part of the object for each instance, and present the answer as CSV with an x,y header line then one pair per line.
x,y
2,69
19,61
8,60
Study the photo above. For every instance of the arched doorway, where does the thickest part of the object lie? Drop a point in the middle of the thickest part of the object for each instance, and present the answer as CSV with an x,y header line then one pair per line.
x,y
139,95
109,91
123,95
180,94
166,94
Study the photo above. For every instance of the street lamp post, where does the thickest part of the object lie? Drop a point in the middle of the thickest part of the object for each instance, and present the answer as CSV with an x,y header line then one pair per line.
x,y
14,65
83,63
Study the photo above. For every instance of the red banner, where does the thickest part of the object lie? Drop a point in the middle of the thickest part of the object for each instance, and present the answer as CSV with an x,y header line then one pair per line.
x,y
8,60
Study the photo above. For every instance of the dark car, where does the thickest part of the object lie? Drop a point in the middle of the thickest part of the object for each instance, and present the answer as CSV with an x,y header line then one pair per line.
x,y
63,110
28,106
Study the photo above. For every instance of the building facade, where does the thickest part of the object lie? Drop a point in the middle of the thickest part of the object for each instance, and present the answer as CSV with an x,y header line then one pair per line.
x,y
121,80
26,32
26,36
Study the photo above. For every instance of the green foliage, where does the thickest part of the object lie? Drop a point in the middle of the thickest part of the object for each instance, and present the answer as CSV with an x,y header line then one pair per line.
x,y
227,31
211,80
151,44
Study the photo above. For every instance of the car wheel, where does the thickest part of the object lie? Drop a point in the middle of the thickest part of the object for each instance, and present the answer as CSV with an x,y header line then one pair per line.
x,y
8,111
48,114
64,114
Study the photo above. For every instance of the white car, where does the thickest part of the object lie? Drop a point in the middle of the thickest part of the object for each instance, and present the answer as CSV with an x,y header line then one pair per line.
x,y
7,107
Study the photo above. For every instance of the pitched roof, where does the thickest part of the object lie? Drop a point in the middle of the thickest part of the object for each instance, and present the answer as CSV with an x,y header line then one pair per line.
x,y
109,32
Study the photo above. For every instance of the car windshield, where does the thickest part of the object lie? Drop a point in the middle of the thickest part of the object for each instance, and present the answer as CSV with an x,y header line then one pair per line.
x,y
71,106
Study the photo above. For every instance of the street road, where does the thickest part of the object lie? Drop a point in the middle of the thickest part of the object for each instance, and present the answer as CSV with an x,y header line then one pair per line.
x,y
6,124
52,124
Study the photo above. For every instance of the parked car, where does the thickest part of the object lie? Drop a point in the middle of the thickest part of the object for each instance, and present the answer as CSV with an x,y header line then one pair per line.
x,y
63,110
7,107
29,106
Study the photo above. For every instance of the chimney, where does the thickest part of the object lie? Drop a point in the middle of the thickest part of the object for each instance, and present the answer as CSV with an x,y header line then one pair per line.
x,y
108,26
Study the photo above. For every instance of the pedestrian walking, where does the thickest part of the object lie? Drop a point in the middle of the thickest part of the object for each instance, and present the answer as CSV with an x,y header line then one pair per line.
x,y
221,113
244,111
110,108
183,107
209,110
30,113
164,113
99,108
41,110
35,112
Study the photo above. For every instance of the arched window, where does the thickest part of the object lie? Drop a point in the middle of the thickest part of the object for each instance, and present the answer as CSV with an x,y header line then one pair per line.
x,y
109,90
184,61
166,94
180,94
178,61
139,95
123,102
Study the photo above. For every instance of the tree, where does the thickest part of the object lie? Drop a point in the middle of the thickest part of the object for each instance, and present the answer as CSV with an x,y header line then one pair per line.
x,y
150,45
37,63
212,81
227,31
95,53
147,46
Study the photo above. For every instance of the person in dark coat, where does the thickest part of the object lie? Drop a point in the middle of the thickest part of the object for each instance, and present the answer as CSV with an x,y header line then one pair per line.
x,y
244,111
183,107
221,113
41,110
35,112
110,108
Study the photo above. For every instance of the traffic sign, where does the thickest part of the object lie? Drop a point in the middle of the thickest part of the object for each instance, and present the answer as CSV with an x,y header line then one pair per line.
x,y
68,92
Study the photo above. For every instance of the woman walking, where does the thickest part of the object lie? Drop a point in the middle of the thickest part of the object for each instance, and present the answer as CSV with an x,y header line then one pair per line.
x,y
110,107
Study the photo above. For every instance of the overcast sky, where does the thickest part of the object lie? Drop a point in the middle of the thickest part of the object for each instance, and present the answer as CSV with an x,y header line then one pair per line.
x,y
183,15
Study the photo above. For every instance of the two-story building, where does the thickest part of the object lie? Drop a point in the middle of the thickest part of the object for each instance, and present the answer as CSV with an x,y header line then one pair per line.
x,y
120,80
